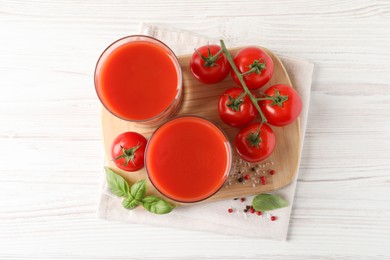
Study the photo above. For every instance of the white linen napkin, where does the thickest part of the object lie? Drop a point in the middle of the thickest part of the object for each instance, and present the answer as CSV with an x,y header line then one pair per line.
x,y
214,216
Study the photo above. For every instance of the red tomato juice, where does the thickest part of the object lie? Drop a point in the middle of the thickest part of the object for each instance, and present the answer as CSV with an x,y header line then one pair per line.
x,y
137,80
188,159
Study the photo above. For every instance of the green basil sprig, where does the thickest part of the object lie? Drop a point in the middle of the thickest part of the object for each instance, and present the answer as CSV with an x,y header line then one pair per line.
x,y
268,202
135,195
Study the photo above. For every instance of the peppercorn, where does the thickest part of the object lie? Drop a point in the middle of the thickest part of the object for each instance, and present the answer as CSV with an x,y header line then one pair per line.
x,y
253,169
241,179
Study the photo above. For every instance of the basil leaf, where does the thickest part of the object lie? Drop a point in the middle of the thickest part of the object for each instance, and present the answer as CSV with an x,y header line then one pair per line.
x,y
134,196
116,183
137,191
130,203
267,202
156,205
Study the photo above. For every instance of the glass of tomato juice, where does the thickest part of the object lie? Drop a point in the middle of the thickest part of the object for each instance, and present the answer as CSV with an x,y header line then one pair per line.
x,y
188,159
138,78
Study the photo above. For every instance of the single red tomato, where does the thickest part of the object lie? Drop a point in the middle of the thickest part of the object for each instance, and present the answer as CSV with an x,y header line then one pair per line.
x,y
256,65
209,64
254,145
127,151
282,105
234,110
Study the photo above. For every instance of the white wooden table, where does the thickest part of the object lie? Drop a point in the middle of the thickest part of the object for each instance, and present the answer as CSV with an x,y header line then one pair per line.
x,y
50,137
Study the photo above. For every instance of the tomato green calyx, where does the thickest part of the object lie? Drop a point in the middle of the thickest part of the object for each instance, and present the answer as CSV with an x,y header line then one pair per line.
x,y
256,67
210,60
235,103
254,139
277,99
241,79
128,154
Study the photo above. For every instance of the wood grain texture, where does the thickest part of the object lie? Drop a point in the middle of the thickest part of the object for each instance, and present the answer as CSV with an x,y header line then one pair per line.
x,y
201,100
50,136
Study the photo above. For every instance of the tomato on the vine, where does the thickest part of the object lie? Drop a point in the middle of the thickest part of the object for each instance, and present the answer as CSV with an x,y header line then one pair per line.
x,y
255,143
127,151
281,105
256,66
235,108
209,64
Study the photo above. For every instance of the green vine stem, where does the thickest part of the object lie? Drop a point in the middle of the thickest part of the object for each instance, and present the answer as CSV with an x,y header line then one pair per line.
x,y
241,79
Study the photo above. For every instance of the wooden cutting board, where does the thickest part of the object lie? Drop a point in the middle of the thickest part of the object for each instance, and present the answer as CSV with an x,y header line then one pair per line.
x,y
201,100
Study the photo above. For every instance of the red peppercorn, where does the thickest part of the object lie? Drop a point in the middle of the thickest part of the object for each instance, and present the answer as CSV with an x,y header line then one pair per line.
x,y
252,210
230,210
272,172
273,218
263,180
247,177
258,213
242,199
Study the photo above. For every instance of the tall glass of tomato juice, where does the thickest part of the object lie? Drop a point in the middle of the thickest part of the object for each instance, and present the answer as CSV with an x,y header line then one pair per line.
x,y
138,78
188,159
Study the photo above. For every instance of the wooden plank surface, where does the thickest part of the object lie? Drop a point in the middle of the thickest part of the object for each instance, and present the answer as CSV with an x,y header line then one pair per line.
x,y
50,136
201,100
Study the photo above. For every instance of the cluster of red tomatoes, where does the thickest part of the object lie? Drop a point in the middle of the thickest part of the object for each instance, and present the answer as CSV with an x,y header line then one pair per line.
x,y
239,106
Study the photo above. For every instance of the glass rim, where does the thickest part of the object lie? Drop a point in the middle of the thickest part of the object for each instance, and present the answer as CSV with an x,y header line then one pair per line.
x,y
229,164
176,63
